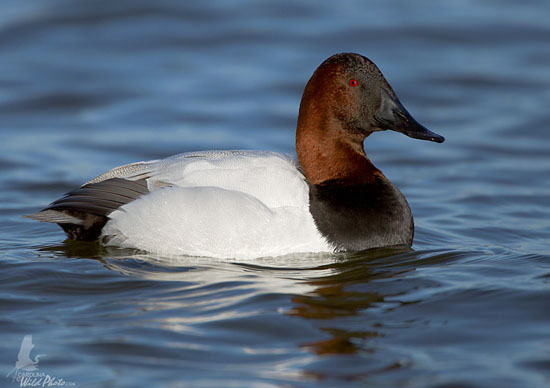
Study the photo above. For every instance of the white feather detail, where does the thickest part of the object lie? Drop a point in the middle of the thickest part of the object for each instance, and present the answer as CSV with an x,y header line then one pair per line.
x,y
221,204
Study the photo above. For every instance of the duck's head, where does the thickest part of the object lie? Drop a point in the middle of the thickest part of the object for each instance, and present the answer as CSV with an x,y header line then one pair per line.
x,y
346,99
352,90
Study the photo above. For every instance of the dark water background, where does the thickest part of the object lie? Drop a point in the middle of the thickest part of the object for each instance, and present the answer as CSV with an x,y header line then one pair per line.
x,y
89,85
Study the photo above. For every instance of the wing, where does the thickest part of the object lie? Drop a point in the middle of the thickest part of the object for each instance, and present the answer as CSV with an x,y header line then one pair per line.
x,y
149,169
271,178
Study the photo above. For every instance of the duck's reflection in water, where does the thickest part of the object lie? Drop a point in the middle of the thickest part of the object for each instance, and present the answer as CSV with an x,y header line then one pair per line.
x,y
348,292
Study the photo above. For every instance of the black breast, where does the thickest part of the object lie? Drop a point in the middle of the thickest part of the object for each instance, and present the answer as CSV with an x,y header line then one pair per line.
x,y
361,216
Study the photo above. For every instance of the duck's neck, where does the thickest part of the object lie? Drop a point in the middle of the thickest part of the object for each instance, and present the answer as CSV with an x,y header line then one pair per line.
x,y
326,151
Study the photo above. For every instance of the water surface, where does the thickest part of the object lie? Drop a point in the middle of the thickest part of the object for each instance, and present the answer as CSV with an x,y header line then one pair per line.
x,y
86,86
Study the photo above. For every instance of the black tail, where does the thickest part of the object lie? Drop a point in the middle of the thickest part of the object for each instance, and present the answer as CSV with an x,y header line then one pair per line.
x,y
83,212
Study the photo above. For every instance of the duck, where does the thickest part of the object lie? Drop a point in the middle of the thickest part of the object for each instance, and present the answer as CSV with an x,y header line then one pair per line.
x,y
251,204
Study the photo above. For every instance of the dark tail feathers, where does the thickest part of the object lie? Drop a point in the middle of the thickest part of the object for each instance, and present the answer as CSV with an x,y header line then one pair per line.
x,y
83,212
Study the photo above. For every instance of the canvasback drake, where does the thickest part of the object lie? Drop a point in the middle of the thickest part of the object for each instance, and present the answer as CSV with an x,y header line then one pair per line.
x,y
229,204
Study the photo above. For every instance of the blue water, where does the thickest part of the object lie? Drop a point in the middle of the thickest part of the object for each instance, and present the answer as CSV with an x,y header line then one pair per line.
x,y
89,85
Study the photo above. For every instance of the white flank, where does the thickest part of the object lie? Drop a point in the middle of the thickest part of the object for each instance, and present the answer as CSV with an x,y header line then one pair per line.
x,y
223,204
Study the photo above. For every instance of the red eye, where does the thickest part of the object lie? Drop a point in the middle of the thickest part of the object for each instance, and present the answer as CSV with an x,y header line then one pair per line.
x,y
353,82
